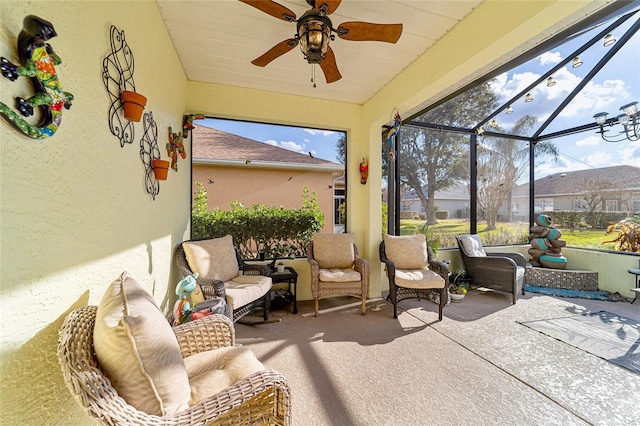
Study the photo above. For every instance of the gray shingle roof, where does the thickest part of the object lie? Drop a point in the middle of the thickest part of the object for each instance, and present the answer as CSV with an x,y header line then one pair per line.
x,y
215,144
624,177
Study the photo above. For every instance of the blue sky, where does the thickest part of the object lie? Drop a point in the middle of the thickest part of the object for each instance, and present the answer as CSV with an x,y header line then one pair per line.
x,y
321,143
616,84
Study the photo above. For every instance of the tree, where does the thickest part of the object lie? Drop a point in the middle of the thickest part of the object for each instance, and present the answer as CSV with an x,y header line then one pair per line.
x,y
501,164
432,160
341,148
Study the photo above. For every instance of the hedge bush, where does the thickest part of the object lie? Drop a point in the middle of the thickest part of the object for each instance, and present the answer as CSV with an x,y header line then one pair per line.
x,y
577,219
274,231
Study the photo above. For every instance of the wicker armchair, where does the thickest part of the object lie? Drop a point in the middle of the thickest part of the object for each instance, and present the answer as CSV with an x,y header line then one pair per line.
x,y
417,281
262,397
336,268
497,271
215,288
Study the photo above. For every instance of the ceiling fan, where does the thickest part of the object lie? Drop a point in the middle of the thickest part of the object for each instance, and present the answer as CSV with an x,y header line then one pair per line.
x,y
314,32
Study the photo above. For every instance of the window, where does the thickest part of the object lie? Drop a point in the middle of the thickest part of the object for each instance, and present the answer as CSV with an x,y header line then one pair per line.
x,y
611,205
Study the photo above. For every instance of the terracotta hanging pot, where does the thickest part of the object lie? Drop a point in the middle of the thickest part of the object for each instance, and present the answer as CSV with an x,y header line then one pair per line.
x,y
133,104
160,169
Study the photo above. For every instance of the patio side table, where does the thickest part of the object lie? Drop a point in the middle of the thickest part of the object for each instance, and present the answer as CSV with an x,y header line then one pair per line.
x,y
289,276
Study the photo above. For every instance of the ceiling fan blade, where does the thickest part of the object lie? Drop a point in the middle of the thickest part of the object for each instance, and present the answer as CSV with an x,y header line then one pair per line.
x,y
272,8
275,52
329,67
331,5
365,31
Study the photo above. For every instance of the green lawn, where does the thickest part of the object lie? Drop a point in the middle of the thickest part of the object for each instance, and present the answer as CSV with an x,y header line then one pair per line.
x,y
505,233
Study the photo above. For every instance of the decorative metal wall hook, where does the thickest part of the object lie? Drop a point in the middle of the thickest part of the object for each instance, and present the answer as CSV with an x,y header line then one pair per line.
x,y
117,76
149,151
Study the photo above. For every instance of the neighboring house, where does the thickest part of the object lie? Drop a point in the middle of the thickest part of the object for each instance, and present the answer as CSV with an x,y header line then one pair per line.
x,y
455,200
234,168
614,188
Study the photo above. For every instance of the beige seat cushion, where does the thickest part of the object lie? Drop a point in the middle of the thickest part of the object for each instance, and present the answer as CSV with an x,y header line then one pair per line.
x,y
244,289
138,351
333,250
418,278
339,275
214,259
212,371
472,245
407,252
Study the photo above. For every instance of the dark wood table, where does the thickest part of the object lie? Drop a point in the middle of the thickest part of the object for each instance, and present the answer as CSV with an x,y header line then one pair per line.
x,y
289,276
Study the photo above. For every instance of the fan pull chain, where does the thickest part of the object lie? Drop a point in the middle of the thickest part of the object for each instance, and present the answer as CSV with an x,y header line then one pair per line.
x,y
313,74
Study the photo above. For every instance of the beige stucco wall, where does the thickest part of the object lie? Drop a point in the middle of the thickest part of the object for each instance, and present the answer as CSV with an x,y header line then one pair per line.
x,y
74,213
74,210
272,187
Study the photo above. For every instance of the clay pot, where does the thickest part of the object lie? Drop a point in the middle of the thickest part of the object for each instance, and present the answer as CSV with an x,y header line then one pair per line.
x,y
160,169
133,104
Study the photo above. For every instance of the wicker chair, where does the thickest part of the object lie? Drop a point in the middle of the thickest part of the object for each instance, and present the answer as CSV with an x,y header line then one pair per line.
x,y
497,271
215,288
263,397
333,257
400,290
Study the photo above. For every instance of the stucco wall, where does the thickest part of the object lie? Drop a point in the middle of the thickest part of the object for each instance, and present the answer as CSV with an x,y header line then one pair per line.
x,y
74,211
270,187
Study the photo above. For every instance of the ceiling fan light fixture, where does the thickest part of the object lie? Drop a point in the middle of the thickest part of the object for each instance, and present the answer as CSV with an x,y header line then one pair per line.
x,y
314,33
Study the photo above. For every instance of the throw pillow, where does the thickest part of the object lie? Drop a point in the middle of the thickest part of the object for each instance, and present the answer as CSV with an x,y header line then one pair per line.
x,y
214,259
407,252
138,351
333,250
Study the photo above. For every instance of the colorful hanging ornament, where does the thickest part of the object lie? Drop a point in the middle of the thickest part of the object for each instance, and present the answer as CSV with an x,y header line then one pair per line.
x,y
38,63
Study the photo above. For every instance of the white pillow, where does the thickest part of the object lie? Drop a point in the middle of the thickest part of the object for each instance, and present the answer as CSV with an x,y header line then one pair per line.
x,y
473,246
214,259
137,350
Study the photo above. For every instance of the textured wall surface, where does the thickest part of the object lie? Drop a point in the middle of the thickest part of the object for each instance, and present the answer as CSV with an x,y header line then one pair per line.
x,y
74,210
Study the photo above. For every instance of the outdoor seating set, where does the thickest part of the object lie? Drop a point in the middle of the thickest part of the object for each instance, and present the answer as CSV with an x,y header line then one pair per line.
x,y
125,364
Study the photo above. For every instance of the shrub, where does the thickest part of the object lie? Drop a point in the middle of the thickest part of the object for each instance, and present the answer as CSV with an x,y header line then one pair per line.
x,y
274,231
628,235
442,214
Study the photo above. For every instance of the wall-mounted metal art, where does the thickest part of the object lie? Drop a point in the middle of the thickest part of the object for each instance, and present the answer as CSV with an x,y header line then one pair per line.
x,y
38,59
149,151
117,76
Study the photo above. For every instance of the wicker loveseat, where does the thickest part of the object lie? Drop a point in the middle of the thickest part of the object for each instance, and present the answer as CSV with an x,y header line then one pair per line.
x,y
222,277
261,397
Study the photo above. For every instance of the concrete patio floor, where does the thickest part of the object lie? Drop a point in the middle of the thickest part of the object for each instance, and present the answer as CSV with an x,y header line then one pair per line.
x,y
478,366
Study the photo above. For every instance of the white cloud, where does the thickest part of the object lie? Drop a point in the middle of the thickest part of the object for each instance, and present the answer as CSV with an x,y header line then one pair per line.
x,y
319,132
292,146
598,159
589,141
271,142
550,58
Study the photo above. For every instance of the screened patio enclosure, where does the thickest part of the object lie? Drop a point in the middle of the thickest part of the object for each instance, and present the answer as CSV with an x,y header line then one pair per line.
x,y
479,154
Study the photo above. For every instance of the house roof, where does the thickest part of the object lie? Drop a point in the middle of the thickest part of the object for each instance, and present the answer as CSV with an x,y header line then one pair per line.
x,y
456,192
214,144
624,177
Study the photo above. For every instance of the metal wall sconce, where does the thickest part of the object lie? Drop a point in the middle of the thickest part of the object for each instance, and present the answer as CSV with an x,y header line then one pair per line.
x,y
629,120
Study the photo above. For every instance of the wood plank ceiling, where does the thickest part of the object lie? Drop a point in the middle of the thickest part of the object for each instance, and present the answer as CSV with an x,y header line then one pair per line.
x,y
217,40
